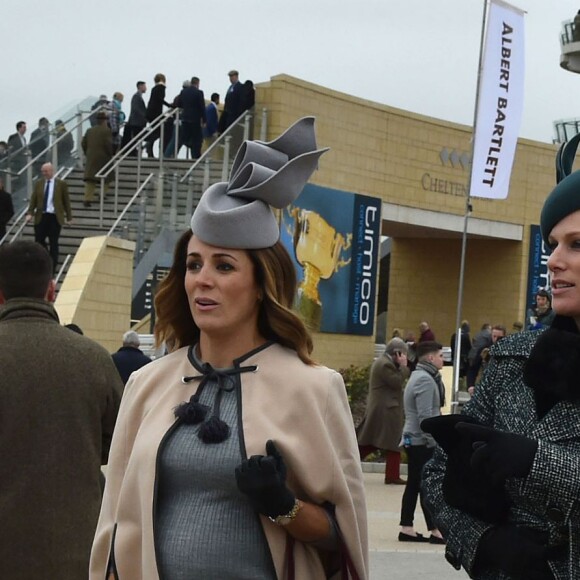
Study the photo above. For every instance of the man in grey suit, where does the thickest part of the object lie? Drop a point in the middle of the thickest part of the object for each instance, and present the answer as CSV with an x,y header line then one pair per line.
x,y
137,116
17,150
50,207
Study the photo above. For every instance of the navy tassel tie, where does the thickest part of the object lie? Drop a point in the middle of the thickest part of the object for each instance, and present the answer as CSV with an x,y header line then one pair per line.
x,y
192,412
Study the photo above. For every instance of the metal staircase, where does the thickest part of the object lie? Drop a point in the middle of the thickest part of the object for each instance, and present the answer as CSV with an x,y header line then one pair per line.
x,y
147,198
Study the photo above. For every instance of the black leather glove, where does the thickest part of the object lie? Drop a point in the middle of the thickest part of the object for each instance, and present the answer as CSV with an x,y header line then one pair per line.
x,y
462,488
443,430
520,552
263,479
499,454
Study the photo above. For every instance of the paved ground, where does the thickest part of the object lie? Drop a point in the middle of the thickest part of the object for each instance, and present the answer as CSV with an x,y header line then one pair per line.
x,y
389,558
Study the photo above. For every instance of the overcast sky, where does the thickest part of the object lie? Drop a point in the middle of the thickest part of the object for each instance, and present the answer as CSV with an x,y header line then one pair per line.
x,y
418,55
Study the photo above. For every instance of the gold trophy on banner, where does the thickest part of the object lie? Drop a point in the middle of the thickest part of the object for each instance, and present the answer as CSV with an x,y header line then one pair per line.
x,y
318,248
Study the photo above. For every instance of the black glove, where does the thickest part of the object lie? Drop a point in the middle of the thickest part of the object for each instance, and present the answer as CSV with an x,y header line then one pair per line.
x,y
499,454
263,480
443,430
462,487
520,552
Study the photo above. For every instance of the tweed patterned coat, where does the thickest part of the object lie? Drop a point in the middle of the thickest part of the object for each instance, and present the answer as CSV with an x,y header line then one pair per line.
x,y
548,498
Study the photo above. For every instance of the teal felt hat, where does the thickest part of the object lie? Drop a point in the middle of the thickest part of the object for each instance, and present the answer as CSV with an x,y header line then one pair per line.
x,y
562,201
565,197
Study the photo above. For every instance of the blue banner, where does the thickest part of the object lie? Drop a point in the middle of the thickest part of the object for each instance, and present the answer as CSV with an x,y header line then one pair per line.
x,y
333,237
538,273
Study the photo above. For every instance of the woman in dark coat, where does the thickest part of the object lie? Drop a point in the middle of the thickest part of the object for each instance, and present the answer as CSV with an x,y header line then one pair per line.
x,y
504,487
382,425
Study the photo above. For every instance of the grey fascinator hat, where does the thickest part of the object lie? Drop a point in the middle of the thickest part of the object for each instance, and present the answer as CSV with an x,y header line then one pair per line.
x,y
238,214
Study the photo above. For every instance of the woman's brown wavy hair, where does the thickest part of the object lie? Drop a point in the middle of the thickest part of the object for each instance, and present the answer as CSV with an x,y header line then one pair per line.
x,y
275,276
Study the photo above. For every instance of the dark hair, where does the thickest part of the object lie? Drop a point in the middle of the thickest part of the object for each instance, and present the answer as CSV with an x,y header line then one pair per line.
x,y
25,270
428,347
545,294
500,327
194,80
159,77
215,97
74,327
139,83
275,276
19,124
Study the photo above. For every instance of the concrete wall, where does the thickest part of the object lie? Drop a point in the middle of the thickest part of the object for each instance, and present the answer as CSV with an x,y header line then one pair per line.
x,y
96,293
396,155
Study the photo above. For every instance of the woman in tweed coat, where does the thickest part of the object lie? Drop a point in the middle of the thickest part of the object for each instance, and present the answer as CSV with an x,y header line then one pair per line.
x,y
504,486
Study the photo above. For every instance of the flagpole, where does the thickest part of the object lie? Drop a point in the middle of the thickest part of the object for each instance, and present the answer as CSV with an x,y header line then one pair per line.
x,y
468,209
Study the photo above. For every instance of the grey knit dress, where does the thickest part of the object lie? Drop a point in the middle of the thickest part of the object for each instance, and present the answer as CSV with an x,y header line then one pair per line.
x,y
205,527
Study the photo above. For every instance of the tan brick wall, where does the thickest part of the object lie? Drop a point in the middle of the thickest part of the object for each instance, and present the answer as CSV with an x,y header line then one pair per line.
x,y
388,153
96,293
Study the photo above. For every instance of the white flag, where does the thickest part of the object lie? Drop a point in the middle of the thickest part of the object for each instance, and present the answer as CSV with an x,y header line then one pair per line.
x,y
500,101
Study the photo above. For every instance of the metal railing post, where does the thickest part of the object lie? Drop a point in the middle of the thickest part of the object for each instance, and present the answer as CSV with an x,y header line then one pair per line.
x,y
173,208
140,242
188,202
54,153
80,152
206,168
226,160
161,141
8,179
176,132
139,155
117,187
159,200
102,202
247,127
28,172
264,127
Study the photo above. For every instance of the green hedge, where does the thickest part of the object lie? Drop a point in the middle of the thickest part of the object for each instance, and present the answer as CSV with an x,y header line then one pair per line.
x,y
356,380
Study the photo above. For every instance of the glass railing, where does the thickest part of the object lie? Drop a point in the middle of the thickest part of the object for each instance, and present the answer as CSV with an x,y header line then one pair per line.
x,y
57,142
565,129
570,32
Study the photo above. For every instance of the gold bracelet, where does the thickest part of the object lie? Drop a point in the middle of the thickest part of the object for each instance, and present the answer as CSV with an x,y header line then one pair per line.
x,y
285,519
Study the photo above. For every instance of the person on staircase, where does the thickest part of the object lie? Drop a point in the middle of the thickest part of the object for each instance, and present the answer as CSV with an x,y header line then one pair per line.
x,y
154,110
50,207
97,146
137,116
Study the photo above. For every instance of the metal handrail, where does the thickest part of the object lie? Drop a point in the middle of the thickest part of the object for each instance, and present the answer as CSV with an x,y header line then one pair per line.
x,y
62,268
129,204
114,163
218,142
122,154
16,221
68,131
61,137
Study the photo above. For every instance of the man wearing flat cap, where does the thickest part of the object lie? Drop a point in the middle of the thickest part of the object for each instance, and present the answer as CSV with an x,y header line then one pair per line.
x,y
233,103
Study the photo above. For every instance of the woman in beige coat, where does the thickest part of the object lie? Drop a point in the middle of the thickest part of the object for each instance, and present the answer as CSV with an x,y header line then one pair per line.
x,y
234,456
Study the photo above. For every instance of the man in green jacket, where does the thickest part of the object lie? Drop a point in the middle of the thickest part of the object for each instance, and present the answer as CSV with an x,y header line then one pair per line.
x,y
59,397
50,207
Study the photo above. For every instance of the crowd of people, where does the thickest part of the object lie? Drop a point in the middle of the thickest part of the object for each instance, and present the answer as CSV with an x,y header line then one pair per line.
x,y
199,124
234,455
218,466
198,121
